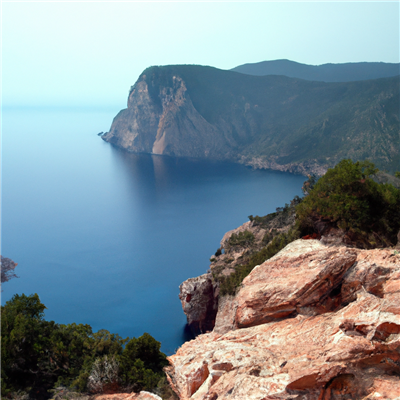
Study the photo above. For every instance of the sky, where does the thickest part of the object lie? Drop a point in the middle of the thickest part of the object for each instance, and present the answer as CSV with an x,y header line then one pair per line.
x,y
90,53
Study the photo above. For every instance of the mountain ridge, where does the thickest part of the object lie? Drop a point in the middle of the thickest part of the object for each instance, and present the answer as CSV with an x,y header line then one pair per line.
x,y
329,72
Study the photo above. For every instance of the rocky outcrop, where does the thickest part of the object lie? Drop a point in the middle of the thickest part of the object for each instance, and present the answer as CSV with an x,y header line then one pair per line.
x,y
200,296
313,323
290,284
199,300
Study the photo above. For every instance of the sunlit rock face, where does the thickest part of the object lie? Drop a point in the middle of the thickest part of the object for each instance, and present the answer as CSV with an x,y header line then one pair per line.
x,y
312,323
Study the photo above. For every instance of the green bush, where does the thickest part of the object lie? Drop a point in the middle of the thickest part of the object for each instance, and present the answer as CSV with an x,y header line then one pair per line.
x,y
349,198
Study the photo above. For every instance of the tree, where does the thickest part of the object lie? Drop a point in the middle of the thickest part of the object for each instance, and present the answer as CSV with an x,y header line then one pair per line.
x,y
7,269
38,355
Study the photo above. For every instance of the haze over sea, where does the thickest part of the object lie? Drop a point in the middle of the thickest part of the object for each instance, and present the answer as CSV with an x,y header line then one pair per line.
x,y
106,237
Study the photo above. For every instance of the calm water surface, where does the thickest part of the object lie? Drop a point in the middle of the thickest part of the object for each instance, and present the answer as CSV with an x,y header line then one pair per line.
x,y
106,237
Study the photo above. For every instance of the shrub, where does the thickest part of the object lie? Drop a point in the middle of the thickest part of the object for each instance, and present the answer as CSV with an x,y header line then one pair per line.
x,y
104,375
349,198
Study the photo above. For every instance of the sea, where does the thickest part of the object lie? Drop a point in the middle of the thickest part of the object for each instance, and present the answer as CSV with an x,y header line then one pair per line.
x,y
105,237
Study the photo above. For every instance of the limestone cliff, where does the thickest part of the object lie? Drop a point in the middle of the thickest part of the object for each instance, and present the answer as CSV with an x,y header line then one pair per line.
x,y
274,122
165,122
315,322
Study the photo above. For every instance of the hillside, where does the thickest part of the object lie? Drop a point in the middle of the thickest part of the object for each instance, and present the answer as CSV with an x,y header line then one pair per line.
x,y
271,121
345,72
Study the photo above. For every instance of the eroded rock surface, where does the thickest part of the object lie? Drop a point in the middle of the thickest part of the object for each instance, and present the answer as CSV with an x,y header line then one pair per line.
x,y
313,322
293,283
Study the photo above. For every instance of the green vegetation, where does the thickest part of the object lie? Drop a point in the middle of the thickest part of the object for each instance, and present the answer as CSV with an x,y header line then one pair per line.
x,y
242,239
347,197
38,355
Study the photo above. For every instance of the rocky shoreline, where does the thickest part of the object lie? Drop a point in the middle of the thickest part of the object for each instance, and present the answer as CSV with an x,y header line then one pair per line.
x,y
309,167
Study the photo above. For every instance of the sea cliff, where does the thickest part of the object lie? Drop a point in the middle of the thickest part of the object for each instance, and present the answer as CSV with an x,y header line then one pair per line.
x,y
274,122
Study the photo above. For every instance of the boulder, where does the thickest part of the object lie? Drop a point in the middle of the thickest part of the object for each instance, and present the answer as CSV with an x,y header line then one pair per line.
x,y
299,280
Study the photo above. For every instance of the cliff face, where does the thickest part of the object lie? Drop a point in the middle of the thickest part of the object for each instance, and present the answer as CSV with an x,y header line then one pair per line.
x,y
165,123
275,122
313,322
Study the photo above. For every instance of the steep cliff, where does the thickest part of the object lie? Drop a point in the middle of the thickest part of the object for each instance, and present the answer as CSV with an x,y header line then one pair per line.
x,y
315,322
272,121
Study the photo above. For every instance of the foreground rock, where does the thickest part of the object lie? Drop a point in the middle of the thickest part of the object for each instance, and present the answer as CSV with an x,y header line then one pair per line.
x,y
313,322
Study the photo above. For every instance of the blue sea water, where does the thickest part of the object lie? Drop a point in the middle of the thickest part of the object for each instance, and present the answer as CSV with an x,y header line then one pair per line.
x,y
106,237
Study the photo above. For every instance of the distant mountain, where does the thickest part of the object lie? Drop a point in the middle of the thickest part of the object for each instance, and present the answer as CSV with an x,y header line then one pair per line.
x,y
276,122
346,72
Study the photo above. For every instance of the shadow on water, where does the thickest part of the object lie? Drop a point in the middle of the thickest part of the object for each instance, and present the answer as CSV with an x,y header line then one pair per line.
x,y
187,334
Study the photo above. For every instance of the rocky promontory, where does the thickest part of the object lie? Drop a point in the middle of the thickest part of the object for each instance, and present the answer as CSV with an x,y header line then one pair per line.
x,y
316,321
273,122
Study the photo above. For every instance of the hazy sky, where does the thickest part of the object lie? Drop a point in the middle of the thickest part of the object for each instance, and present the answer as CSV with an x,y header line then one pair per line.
x,y
77,53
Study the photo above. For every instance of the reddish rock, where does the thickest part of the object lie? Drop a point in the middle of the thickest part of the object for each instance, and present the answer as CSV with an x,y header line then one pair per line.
x,y
321,324
289,285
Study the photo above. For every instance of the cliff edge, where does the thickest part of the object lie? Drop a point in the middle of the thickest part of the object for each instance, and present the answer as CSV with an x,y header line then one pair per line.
x,y
313,322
